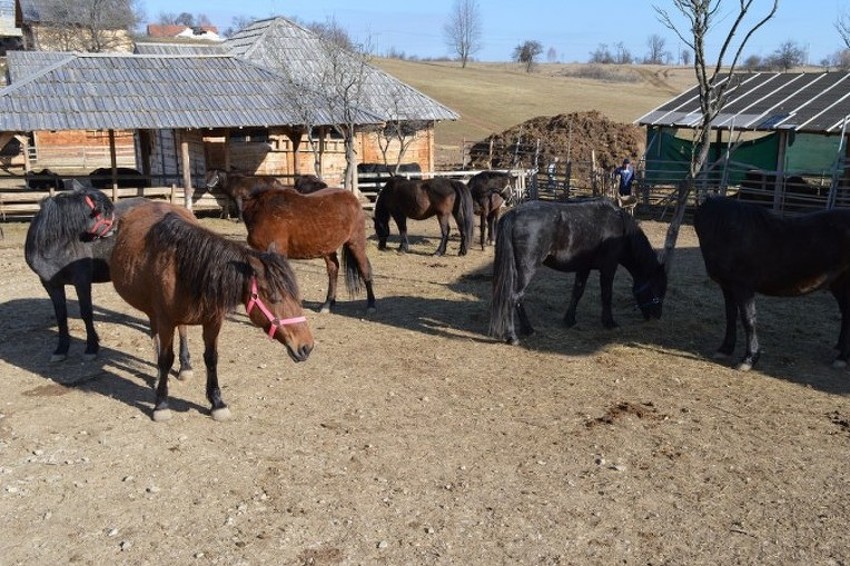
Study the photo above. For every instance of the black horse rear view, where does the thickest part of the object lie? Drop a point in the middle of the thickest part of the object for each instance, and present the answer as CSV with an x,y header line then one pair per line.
x,y
578,236
747,250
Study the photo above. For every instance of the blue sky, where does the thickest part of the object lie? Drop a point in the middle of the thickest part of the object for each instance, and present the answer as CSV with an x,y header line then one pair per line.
x,y
574,28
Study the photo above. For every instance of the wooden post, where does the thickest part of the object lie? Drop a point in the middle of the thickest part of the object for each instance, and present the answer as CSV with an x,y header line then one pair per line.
x,y
227,150
188,190
594,181
113,163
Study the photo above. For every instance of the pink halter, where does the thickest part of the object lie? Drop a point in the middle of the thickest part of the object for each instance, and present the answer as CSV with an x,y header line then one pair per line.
x,y
103,225
275,322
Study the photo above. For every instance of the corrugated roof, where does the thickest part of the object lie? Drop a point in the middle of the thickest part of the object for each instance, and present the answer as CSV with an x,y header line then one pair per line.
x,y
278,43
115,91
804,102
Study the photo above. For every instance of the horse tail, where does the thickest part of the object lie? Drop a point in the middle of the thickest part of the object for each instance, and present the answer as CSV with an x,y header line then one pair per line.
x,y
464,211
504,278
353,277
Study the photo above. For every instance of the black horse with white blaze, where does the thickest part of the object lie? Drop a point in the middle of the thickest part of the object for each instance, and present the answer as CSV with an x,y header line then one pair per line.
x,y
573,236
747,249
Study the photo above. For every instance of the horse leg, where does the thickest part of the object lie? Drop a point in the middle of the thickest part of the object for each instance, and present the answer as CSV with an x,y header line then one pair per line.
x,y
747,306
238,209
606,282
731,309
445,230
164,340
484,221
492,221
358,252
87,314
841,292
60,311
219,410
332,263
578,291
525,328
401,223
186,371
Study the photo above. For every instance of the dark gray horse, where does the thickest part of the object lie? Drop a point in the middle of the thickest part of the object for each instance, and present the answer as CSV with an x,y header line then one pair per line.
x,y
747,250
69,242
573,236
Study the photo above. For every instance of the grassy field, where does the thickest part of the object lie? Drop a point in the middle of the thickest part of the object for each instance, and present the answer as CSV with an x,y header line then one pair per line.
x,y
491,97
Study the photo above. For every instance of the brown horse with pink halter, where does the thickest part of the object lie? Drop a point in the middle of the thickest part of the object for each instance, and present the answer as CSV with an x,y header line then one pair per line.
x,y
178,272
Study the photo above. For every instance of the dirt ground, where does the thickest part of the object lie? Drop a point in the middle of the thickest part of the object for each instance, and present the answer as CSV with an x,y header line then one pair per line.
x,y
410,437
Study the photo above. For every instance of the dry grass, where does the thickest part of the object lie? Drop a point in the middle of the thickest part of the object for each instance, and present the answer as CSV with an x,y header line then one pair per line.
x,y
491,97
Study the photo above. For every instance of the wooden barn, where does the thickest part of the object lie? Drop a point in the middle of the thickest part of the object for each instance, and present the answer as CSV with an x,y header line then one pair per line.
x,y
781,139
174,110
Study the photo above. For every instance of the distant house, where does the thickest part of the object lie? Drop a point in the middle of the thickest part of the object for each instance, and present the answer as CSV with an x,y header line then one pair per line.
x,y
43,29
174,31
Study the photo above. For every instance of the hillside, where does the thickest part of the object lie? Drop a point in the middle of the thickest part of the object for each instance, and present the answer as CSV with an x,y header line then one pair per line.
x,y
493,97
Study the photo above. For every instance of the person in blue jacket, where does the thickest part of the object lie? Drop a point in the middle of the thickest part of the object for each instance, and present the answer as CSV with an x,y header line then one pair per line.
x,y
626,175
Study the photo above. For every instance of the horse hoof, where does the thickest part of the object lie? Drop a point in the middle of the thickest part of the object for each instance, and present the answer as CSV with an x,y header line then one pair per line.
x,y
839,364
222,414
744,366
185,374
325,310
55,358
512,341
161,415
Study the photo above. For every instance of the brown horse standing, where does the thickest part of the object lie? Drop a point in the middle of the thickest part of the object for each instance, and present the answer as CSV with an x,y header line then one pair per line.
x,y
237,187
489,192
312,226
177,272
420,199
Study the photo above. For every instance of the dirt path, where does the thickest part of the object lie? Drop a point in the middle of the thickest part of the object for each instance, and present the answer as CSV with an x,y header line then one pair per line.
x,y
410,437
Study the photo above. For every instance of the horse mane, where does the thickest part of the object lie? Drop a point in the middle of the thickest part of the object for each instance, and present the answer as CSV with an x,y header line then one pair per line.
x,y
213,269
639,246
64,217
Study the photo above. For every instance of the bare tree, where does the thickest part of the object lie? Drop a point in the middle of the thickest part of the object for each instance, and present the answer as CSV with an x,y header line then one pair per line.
x,y
89,25
657,55
462,31
787,56
526,53
551,55
624,56
713,82
842,24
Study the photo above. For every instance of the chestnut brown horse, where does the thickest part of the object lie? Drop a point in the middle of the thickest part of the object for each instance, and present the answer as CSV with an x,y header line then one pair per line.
x,y
178,272
489,190
313,226
237,187
419,199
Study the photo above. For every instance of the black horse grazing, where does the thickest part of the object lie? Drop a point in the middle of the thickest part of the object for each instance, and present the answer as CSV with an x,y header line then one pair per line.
x,y
69,242
101,178
748,249
420,199
577,236
44,179
489,191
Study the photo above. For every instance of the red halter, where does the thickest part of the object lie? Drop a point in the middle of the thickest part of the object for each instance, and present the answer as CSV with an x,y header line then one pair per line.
x,y
102,224
275,322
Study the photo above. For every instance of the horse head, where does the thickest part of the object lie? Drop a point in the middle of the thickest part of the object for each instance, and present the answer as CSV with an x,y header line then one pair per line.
x,y
649,293
100,213
215,178
273,303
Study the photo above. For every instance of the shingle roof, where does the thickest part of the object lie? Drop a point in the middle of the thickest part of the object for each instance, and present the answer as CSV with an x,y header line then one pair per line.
x,y
157,48
278,43
804,102
115,91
